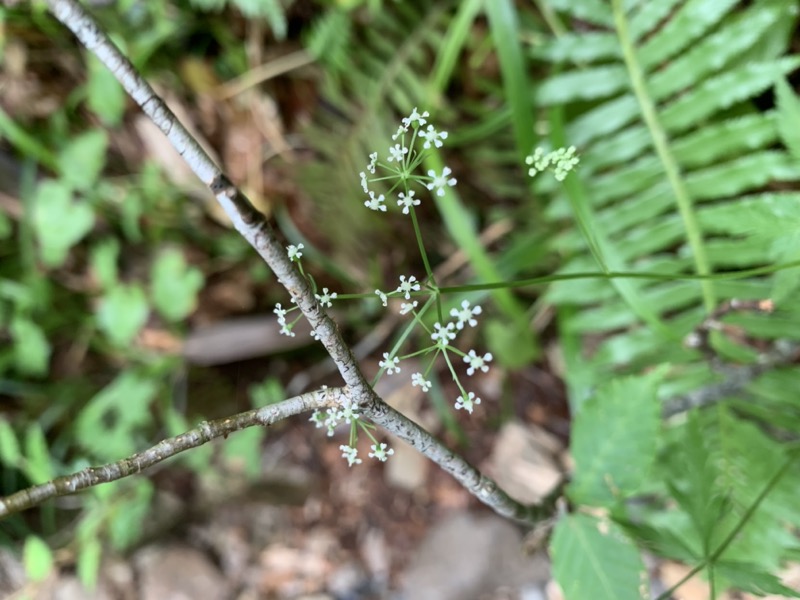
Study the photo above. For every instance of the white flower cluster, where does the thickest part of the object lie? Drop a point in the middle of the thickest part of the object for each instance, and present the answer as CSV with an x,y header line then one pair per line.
x,y
562,161
402,159
325,299
331,418
442,336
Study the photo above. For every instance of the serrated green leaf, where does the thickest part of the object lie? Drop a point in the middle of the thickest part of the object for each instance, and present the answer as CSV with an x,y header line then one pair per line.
x,y
122,313
82,160
593,559
108,425
104,94
58,221
174,285
614,440
37,558
748,577
10,453
31,348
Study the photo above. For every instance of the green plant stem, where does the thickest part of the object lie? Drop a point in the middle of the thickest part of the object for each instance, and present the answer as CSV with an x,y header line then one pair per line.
x,y
662,148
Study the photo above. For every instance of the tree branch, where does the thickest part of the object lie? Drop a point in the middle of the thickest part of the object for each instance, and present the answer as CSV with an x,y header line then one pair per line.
x,y
204,432
253,226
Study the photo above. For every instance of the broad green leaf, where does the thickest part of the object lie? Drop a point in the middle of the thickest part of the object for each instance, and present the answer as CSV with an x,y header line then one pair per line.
x,y
614,440
174,285
82,160
38,464
108,426
242,450
37,558
59,222
10,454
104,262
131,510
593,559
105,95
31,348
122,313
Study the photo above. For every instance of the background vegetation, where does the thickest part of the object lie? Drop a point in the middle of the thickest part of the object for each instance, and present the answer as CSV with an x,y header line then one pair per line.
x,y
686,120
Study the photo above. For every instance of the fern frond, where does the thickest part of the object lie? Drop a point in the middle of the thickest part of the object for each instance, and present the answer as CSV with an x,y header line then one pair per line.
x,y
703,63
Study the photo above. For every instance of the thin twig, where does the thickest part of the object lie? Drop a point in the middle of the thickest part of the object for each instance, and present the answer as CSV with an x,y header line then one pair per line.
x,y
203,433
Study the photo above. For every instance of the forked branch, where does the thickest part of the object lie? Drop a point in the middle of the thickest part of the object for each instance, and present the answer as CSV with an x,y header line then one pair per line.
x,y
253,226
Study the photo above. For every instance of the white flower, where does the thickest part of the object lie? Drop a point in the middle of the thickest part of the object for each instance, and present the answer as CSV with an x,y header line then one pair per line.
x,y
294,252
562,160
331,420
400,131
476,362
351,454
565,160
467,403
397,152
315,335
407,307
539,161
349,412
364,185
383,297
281,312
381,453
442,335
418,379
390,364
373,160
287,330
465,315
431,136
406,287
407,201
318,418
326,297
415,117
375,203
440,181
